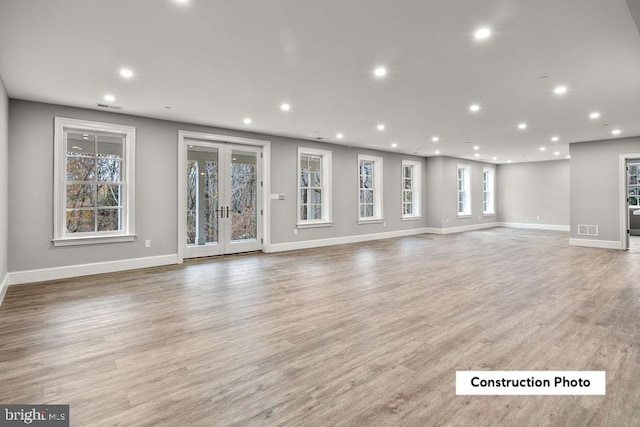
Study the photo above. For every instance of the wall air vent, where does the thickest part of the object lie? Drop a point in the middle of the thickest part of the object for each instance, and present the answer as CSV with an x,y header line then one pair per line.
x,y
587,230
113,107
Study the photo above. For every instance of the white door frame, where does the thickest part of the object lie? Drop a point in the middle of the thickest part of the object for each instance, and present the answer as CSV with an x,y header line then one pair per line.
x,y
624,207
182,190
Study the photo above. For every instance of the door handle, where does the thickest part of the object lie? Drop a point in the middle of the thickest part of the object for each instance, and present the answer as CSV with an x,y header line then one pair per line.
x,y
227,211
220,212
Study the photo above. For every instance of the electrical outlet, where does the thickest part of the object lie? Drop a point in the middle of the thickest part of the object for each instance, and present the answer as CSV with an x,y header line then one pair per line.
x,y
447,221
281,196
295,230
538,217
147,243
384,223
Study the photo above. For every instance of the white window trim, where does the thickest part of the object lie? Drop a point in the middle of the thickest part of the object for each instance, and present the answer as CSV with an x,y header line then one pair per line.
x,y
467,189
492,192
127,234
378,202
326,220
416,179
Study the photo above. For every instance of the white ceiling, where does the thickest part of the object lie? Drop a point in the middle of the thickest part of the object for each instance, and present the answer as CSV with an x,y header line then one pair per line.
x,y
216,62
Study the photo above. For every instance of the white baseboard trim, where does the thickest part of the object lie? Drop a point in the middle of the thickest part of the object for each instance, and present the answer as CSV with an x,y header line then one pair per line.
x,y
602,244
535,226
3,287
55,273
307,244
463,228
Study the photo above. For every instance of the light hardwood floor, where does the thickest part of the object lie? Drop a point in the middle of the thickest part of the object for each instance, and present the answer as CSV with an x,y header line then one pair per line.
x,y
362,334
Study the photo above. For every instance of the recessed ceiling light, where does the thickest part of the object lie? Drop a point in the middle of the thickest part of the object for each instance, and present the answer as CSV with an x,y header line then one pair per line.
x,y
476,147
437,151
522,126
543,148
339,135
247,121
394,145
495,158
508,161
285,107
477,154
435,139
482,33
181,1
594,115
474,107
381,127
616,132
560,90
568,157
380,72
556,153
554,138
109,98
126,73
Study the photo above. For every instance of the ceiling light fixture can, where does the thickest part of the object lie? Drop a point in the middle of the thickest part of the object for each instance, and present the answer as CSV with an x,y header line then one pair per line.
x,y
560,90
380,72
482,33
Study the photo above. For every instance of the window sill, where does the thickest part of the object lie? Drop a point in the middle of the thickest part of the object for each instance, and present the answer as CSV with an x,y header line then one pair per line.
x,y
489,214
411,218
370,221
314,224
465,216
92,240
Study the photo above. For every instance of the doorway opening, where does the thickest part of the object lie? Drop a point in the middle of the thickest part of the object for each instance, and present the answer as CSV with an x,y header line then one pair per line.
x,y
221,206
633,204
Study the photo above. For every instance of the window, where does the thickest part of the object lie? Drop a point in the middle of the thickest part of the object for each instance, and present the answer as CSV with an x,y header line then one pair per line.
x,y
314,187
633,184
370,188
410,189
464,193
94,182
488,190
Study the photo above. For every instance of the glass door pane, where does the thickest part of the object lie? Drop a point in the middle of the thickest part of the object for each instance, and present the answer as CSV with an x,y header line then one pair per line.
x,y
202,196
243,205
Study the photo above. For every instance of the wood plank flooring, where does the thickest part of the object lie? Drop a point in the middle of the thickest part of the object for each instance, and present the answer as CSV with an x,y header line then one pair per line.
x,y
365,334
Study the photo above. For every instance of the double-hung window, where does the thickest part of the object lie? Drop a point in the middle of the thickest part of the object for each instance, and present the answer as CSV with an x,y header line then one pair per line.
x,y
488,191
314,187
464,190
369,189
411,172
94,182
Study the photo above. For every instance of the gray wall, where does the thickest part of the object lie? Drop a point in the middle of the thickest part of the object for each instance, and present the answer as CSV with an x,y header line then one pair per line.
x,y
345,193
530,190
595,185
4,179
442,184
31,197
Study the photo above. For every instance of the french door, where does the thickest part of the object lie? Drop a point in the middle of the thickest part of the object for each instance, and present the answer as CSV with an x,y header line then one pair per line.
x,y
223,198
